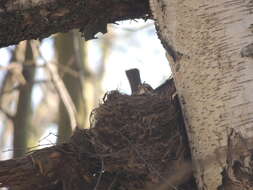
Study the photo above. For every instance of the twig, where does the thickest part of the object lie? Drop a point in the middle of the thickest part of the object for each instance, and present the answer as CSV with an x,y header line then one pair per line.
x,y
47,137
15,65
100,174
29,148
66,69
64,95
17,87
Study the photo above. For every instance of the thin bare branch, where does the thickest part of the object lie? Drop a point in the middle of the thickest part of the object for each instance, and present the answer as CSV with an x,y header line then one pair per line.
x,y
17,87
7,114
63,93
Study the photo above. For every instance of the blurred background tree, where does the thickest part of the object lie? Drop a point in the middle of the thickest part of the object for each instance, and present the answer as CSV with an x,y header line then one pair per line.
x,y
71,61
46,84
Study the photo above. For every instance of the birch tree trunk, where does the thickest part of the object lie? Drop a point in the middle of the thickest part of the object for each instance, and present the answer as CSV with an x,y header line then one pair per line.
x,y
210,50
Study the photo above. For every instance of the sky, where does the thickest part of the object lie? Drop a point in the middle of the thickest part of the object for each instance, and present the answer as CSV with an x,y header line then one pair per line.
x,y
136,45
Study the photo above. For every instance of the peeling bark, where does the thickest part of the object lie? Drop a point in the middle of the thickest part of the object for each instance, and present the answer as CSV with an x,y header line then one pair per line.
x,y
24,20
213,74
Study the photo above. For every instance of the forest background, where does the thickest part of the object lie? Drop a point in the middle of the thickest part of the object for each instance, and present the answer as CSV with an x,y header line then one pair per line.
x,y
34,91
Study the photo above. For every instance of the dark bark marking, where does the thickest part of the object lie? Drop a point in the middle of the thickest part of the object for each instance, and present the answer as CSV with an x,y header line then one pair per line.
x,y
247,51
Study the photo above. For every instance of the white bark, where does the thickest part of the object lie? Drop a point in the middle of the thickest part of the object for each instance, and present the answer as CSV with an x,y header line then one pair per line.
x,y
211,46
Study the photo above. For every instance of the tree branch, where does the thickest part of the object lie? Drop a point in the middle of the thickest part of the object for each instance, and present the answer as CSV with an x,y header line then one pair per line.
x,y
24,20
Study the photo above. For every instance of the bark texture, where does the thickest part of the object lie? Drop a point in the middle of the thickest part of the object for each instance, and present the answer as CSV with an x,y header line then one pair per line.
x,y
209,45
24,20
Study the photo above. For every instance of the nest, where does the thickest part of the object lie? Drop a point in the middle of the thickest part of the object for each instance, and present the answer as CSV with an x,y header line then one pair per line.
x,y
138,141
136,131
